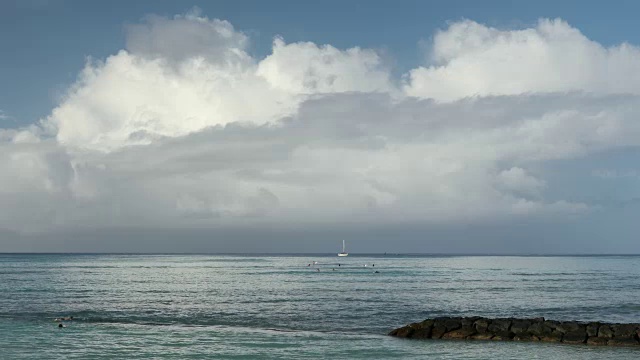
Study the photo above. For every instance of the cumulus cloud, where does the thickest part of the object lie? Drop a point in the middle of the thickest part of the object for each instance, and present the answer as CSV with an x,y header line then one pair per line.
x,y
472,59
185,128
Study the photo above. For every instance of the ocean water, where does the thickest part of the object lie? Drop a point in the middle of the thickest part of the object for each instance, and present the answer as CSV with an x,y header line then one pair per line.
x,y
277,307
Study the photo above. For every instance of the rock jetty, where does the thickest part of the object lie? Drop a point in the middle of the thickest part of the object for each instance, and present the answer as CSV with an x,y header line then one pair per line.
x,y
510,329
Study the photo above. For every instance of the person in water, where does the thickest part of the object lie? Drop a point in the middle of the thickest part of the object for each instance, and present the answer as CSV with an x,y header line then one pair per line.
x,y
60,325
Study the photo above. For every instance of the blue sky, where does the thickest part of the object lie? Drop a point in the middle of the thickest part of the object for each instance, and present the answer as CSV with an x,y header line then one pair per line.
x,y
49,40
457,126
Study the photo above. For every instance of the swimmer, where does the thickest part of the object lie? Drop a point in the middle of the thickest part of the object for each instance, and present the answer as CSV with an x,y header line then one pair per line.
x,y
318,270
376,272
60,325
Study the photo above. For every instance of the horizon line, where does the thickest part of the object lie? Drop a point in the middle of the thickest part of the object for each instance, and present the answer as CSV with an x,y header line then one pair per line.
x,y
322,254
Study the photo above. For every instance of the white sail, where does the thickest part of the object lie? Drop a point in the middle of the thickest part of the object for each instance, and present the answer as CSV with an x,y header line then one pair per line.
x,y
344,252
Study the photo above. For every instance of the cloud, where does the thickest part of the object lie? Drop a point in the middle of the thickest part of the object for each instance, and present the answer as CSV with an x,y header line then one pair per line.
x,y
184,128
472,59
4,116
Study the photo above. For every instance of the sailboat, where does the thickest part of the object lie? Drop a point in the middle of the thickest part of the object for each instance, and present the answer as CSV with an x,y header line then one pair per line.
x,y
343,253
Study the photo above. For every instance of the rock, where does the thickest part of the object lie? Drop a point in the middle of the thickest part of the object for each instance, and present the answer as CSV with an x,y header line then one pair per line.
x,y
427,323
627,331
622,342
482,325
596,341
605,331
553,336
461,333
452,324
405,332
538,329
575,337
526,338
592,329
468,322
438,330
422,333
500,324
567,327
520,327
485,336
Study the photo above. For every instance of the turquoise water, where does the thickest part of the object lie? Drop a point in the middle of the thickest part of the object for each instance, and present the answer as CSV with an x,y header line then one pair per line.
x,y
277,307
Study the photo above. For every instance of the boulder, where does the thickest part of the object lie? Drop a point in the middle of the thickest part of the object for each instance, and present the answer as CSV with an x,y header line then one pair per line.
x,y
569,326
552,336
422,333
438,330
622,342
605,331
453,324
461,333
627,331
478,336
596,341
482,325
507,329
537,329
592,329
575,337
520,328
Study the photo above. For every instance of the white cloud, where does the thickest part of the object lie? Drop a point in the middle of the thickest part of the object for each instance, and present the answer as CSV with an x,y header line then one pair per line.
x,y
519,181
201,133
306,68
472,59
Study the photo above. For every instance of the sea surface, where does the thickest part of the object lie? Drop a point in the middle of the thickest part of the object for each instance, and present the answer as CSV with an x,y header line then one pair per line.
x,y
279,307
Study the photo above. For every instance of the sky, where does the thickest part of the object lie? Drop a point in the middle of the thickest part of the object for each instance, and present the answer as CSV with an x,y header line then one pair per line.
x,y
492,127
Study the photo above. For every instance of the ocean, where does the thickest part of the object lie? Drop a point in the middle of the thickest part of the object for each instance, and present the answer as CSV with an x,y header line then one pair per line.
x,y
279,307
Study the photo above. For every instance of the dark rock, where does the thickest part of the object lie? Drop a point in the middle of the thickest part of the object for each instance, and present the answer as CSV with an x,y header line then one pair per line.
x,y
499,326
453,324
427,323
575,337
485,336
622,342
551,325
568,326
553,336
592,329
405,332
605,331
461,333
537,329
422,333
520,327
482,325
468,322
627,331
526,338
438,330
596,341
